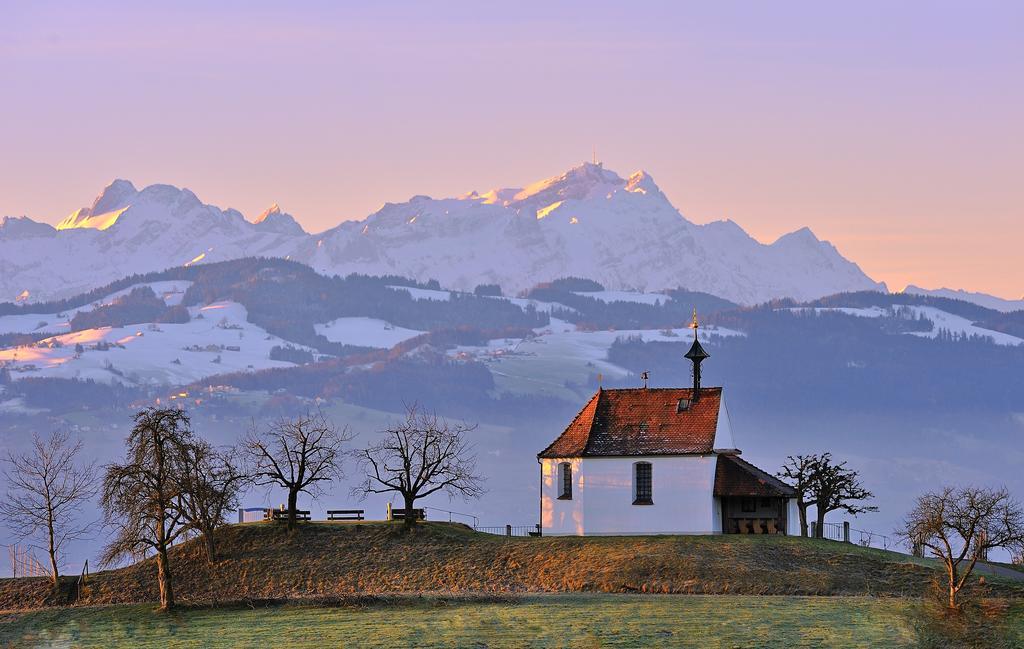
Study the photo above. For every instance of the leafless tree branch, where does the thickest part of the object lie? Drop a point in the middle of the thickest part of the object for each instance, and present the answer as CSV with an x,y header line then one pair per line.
x,y
143,499
46,488
297,455
959,525
420,456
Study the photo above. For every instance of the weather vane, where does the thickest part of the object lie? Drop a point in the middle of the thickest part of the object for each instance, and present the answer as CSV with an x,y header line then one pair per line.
x,y
645,375
694,324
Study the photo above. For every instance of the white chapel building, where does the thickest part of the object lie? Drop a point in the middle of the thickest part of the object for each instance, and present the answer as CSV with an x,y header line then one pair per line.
x,y
658,461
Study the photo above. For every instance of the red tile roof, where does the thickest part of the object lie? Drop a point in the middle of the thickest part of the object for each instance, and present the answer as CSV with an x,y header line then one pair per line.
x,y
641,421
737,477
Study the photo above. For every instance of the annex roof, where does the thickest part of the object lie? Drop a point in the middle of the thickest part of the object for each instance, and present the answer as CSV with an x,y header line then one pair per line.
x,y
737,477
641,421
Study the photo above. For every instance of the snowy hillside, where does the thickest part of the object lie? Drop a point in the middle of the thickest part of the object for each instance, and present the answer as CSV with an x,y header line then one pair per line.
x,y
553,358
940,321
588,222
218,339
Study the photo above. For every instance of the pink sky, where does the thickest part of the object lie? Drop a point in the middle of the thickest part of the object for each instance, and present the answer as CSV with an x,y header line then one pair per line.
x,y
892,130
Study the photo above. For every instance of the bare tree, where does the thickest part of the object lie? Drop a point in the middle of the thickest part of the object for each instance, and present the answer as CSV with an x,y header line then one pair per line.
x,y
418,457
959,525
143,498
296,455
799,471
835,487
46,488
211,485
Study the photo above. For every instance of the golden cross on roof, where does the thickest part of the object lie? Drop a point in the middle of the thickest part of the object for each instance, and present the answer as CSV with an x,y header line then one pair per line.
x,y
693,323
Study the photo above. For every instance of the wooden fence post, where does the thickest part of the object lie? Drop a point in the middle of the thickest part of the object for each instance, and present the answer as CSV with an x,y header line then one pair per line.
x,y
508,530
814,529
846,531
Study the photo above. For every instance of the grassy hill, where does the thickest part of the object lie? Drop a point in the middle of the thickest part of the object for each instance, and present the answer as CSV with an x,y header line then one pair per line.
x,y
261,561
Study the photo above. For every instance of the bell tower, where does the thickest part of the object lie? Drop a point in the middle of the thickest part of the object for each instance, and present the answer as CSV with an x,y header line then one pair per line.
x,y
696,356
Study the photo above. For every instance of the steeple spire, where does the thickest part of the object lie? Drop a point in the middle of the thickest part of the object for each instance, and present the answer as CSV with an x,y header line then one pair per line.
x,y
696,356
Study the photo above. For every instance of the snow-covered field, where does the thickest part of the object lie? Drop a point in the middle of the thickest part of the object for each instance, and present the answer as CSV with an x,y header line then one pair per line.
x,y
560,354
217,340
958,325
365,332
942,321
156,354
424,293
522,303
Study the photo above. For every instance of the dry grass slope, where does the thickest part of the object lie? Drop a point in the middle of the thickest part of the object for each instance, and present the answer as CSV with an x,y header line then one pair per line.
x,y
261,561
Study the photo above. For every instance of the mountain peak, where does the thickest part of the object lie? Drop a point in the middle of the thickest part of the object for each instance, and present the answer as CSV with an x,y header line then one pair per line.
x,y
22,227
114,196
580,182
274,220
802,236
642,183
109,205
273,210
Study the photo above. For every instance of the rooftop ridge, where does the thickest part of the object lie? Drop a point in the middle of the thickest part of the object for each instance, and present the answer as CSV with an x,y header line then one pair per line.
x,y
664,389
641,421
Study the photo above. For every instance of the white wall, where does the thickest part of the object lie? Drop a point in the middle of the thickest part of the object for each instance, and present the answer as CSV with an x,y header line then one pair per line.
x,y
792,518
560,516
723,431
602,502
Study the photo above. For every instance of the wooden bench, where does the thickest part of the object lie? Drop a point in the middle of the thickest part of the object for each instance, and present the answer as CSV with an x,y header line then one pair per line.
x,y
399,514
282,515
344,514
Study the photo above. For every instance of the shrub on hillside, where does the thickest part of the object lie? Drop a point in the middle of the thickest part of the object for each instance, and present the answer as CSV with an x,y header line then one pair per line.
x,y
177,314
291,354
488,289
138,306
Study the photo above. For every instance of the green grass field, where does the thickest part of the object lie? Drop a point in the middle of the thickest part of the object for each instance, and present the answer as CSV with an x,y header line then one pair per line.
x,y
547,621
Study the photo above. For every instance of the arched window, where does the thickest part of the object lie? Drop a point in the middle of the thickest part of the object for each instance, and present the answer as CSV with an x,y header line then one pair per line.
x,y
643,493
565,481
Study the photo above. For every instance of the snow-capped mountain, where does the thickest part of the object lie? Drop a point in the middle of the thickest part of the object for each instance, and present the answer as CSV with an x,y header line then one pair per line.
x,y
981,299
587,222
274,220
128,231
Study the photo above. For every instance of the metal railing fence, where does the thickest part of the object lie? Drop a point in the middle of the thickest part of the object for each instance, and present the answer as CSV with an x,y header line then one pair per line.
x,y
510,530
